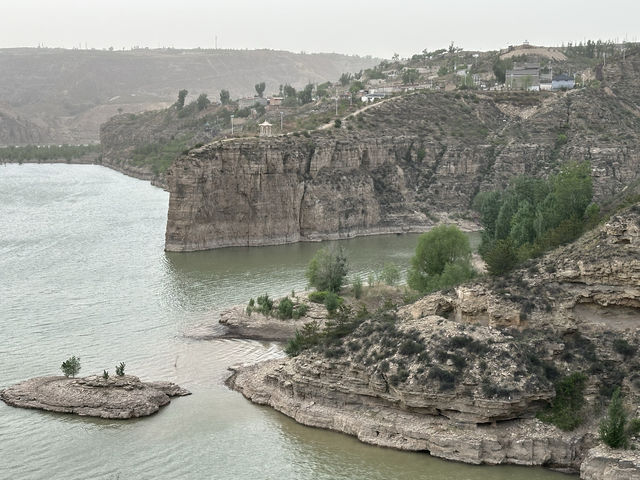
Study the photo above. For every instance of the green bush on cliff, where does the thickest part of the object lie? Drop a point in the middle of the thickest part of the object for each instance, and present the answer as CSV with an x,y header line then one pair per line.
x,y
612,428
566,407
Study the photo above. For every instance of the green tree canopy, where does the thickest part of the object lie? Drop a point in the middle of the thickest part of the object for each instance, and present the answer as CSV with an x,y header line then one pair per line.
x,y
203,102
182,94
71,366
225,97
327,269
410,76
534,214
442,255
306,95
260,87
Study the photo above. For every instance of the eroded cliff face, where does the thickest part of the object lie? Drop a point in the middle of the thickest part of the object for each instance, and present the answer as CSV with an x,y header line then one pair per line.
x,y
461,374
401,166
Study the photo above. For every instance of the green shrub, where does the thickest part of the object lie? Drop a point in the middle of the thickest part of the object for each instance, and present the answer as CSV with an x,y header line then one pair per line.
x,y
411,347
612,428
332,302
120,369
390,274
357,287
318,297
71,366
285,308
566,407
307,337
624,348
265,304
105,374
300,310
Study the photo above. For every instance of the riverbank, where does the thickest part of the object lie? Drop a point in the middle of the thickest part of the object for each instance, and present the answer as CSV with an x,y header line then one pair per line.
x,y
140,173
468,374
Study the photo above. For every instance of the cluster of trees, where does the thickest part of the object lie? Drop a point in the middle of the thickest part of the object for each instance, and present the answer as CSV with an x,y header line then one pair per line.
x,y
292,97
46,152
533,215
71,367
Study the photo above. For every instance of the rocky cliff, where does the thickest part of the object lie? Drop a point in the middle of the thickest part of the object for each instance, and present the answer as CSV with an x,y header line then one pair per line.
x,y
462,374
400,166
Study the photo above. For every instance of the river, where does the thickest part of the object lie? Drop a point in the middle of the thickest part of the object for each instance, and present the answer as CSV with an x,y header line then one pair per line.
x,y
83,272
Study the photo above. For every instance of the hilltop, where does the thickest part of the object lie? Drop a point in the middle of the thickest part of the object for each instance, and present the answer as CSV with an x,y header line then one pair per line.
x,y
55,96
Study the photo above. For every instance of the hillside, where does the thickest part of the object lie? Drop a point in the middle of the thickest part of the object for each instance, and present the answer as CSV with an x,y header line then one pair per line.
x,y
402,165
463,374
62,96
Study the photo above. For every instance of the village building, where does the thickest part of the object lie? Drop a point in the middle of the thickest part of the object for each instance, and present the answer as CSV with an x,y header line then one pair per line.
x,y
562,82
523,76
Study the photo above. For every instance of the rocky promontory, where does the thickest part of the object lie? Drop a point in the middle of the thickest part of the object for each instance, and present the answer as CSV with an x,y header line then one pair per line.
x,y
119,397
403,165
476,374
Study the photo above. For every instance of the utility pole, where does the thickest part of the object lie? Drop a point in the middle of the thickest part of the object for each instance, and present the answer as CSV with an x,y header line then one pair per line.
x,y
281,117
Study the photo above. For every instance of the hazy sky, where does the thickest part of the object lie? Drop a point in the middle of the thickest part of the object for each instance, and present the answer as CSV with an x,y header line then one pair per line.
x,y
372,27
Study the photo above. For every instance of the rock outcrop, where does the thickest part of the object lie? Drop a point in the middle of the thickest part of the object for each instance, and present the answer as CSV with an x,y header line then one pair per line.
x,y
400,166
116,397
602,463
463,374
257,326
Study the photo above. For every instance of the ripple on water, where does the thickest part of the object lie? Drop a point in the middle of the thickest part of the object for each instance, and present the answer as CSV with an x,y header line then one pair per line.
x,y
84,273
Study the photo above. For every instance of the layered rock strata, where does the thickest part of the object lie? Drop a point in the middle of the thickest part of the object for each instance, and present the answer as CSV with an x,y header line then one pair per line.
x,y
463,374
401,166
116,397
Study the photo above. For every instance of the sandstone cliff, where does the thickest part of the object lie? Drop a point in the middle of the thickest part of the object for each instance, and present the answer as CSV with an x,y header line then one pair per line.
x,y
400,166
461,374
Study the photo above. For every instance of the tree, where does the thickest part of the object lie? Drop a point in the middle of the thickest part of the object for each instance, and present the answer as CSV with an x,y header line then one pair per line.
x,y
501,257
288,91
390,274
260,88
203,102
442,246
612,428
410,76
306,96
225,97
71,366
345,79
327,269
120,369
182,94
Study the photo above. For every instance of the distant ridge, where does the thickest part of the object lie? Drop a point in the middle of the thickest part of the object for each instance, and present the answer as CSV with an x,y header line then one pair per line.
x,y
62,96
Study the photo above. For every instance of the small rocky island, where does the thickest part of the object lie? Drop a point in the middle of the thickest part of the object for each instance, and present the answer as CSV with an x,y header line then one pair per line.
x,y
119,397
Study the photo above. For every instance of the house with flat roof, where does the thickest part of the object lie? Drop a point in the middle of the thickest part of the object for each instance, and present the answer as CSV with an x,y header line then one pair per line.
x,y
562,82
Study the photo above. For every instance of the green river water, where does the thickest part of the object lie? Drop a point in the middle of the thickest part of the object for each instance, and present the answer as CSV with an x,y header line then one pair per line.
x,y
83,272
